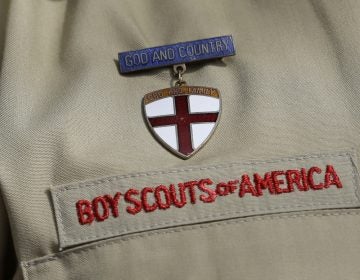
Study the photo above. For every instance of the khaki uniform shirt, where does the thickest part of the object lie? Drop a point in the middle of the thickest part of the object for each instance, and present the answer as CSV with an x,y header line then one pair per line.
x,y
290,101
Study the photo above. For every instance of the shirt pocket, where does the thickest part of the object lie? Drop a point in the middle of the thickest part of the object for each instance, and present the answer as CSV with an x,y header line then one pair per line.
x,y
123,207
298,245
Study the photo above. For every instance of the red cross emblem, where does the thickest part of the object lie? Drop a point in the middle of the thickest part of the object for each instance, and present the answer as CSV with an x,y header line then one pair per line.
x,y
182,118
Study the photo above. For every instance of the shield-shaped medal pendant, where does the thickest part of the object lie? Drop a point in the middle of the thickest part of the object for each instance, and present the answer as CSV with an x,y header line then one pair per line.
x,y
183,118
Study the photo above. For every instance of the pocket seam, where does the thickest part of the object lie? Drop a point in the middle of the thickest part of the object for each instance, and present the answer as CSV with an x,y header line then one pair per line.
x,y
283,216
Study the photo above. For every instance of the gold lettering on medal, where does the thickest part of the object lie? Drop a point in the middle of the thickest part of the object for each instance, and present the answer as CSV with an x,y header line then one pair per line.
x,y
167,92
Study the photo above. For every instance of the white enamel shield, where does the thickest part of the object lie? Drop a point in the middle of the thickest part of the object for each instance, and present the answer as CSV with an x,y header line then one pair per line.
x,y
183,118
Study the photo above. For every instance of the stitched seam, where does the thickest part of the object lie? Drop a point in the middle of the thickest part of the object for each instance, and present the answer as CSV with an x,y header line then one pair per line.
x,y
353,172
60,224
115,178
199,219
354,177
58,256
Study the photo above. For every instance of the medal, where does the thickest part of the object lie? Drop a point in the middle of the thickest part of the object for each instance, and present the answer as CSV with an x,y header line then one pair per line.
x,y
182,118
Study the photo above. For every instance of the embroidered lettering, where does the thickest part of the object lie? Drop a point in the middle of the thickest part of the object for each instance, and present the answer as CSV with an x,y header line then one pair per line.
x,y
246,186
147,207
211,193
331,177
113,203
84,211
137,203
100,208
312,183
263,184
160,202
163,197
293,177
278,181
178,202
191,186
223,189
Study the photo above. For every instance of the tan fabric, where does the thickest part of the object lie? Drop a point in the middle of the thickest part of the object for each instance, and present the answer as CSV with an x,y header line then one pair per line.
x,y
247,198
4,236
67,115
300,246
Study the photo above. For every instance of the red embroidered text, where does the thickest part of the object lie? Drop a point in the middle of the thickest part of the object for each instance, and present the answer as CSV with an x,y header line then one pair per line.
x,y
163,197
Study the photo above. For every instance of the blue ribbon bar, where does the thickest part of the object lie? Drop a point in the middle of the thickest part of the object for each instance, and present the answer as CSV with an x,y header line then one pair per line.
x,y
179,53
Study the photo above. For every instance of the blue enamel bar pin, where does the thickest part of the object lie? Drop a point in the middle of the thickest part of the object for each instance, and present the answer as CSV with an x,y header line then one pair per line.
x,y
182,118
178,53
